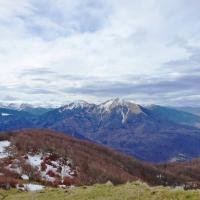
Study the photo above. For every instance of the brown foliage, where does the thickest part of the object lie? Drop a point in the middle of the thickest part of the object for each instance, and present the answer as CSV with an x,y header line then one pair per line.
x,y
59,169
68,181
95,163
51,173
5,180
9,173
30,171
188,172
43,166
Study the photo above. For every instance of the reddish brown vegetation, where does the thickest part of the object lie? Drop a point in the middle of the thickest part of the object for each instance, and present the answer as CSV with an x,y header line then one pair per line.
x,y
8,181
8,173
68,181
51,173
56,183
30,171
94,163
188,171
59,169
43,166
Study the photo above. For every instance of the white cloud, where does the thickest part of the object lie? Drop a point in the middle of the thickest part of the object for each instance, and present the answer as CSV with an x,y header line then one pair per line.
x,y
100,40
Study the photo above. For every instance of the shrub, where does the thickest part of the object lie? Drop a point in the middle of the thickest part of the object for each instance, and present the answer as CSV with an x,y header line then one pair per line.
x,y
59,169
51,173
8,181
43,166
68,181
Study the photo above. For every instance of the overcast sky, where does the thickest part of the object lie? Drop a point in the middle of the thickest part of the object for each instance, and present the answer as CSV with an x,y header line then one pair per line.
x,y
55,51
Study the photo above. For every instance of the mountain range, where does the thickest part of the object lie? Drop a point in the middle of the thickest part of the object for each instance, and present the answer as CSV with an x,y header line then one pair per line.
x,y
32,109
150,133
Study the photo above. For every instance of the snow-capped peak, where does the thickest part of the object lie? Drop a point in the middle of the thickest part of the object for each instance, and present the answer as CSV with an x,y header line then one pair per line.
x,y
75,104
108,105
113,103
9,106
122,106
24,106
150,106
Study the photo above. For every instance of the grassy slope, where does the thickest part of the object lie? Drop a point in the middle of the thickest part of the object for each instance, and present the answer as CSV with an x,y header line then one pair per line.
x,y
130,191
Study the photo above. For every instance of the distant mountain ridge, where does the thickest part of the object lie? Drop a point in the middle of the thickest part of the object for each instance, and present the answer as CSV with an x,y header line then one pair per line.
x,y
155,133
32,109
176,116
13,119
193,110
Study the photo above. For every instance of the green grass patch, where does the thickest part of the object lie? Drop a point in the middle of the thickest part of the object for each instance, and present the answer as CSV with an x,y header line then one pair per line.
x,y
129,191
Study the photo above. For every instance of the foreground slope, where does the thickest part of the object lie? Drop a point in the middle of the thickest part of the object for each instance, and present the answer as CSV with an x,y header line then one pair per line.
x,y
130,191
55,159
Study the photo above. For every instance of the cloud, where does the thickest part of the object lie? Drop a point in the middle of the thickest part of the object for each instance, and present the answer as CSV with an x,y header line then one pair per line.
x,y
87,49
190,64
157,90
37,72
9,98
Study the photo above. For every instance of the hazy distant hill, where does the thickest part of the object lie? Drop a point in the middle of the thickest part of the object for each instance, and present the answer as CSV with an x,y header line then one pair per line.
x,y
12,119
193,110
175,115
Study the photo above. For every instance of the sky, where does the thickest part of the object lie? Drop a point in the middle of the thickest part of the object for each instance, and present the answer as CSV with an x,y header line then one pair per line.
x,y
55,51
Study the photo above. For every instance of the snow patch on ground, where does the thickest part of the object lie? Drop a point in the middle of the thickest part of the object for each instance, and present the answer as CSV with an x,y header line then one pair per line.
x,y
30,187
35,160
24,177
49,169
14,168
66,170
46,166
179,158
33,187
3,146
